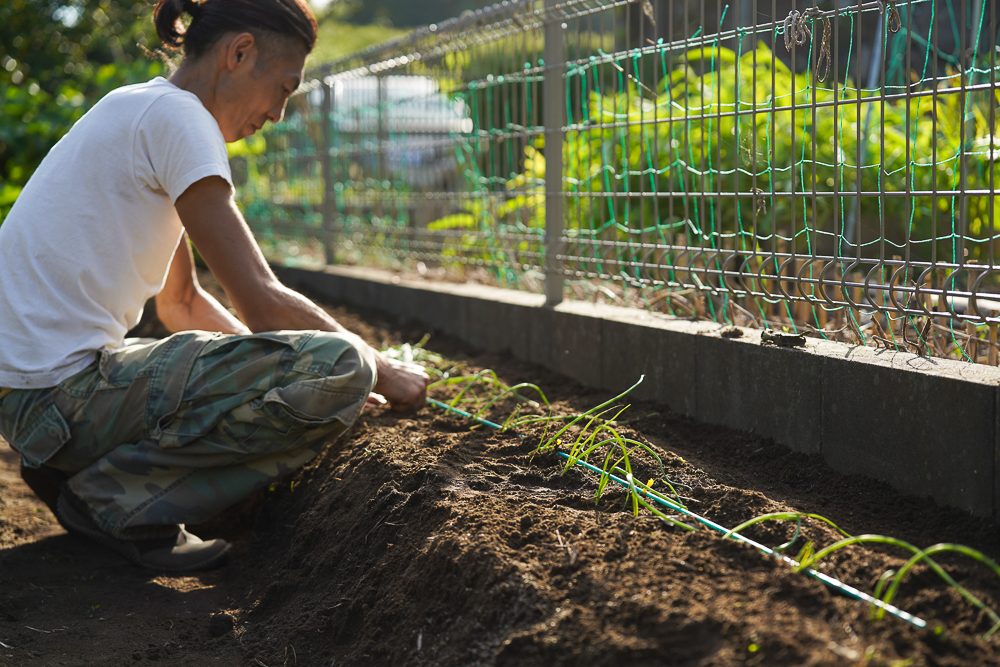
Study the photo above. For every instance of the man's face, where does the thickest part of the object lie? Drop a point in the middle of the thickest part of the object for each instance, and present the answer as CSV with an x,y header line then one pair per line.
x,y
256,94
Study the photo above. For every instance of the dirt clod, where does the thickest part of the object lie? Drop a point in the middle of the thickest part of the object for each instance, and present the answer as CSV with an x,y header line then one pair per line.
x,y
220,624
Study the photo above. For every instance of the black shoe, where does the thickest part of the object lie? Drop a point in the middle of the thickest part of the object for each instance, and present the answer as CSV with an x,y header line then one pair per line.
x,y
182,553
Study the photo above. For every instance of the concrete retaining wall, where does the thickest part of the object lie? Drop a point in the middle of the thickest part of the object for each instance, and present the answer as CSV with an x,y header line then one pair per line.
x,y
929,427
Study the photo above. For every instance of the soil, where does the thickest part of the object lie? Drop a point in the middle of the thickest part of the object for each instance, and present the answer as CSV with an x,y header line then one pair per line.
x,y
422,539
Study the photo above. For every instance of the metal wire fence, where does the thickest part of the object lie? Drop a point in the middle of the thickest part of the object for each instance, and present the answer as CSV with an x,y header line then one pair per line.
x,y
827,168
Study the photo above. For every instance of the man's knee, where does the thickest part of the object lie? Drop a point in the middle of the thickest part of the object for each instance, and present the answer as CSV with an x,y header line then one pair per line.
x,y
328,400
351,361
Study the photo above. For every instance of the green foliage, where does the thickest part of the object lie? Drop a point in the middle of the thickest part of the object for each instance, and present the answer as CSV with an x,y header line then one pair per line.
x,y
338,39
58,58
403,12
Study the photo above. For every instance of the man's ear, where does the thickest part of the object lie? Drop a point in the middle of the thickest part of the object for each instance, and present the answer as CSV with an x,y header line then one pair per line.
x,y
242,50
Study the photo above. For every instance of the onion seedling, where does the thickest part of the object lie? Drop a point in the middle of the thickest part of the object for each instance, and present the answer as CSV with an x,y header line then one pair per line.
x,y
489,377
807,558
622,448
513,390
787,516
879,587
942,548
667,519
565,428
415,353
826,579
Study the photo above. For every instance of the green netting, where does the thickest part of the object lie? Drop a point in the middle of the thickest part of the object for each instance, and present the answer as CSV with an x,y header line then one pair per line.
x,y
822,168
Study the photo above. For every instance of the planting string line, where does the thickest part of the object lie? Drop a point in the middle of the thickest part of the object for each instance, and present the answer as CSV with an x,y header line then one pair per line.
x,y
846,589
464,413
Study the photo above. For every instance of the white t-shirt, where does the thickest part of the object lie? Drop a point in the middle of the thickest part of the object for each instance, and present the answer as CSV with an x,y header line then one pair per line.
x,y
92,234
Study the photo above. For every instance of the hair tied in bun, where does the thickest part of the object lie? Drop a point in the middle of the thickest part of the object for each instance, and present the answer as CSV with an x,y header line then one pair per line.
x,y
192,7
211,19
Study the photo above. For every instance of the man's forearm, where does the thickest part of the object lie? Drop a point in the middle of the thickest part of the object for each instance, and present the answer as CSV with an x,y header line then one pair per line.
x,y
200,312
288,309
218,230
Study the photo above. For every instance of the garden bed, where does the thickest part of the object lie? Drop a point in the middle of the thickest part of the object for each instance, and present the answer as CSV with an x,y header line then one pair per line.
x,y
426,542
425,539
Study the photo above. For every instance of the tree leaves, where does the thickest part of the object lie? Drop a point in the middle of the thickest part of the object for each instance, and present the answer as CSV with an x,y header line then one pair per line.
x,y
60,57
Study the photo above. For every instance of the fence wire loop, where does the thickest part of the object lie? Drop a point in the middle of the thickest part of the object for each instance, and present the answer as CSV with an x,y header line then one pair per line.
x,y
797,28
825,58
761,202
893,21
647,10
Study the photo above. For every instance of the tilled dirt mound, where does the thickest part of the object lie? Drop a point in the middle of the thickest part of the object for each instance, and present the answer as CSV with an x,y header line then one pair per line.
x,y
425,542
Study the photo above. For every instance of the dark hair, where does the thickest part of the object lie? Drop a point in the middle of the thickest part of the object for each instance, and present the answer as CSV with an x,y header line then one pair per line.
x,y
211,19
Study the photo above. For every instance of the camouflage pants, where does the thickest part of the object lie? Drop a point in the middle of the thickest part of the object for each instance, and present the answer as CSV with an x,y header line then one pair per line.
x,y
174,431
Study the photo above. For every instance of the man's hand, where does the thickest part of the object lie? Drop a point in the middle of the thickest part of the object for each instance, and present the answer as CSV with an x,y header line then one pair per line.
x,y
403,384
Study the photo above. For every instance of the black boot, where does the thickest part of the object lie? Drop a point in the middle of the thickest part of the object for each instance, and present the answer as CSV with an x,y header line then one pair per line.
x,y
45,482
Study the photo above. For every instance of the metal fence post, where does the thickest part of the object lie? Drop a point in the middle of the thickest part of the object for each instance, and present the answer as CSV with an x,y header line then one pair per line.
x,y
326,169
554,118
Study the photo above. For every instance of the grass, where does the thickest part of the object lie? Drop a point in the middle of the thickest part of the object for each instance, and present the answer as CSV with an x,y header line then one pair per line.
x,y
338,39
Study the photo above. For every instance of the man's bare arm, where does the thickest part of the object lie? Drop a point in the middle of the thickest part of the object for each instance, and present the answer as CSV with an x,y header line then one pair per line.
x,y
222,237
183,305
218,230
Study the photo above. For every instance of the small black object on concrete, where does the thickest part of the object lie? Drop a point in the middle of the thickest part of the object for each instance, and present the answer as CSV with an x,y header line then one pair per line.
x,y
782,339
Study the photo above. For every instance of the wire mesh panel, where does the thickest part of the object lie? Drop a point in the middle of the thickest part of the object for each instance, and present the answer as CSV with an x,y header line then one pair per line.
x,y
826,167
279,183
429,138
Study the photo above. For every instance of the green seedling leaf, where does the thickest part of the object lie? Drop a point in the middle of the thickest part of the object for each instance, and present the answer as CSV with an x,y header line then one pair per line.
x,y
513,390
485,375
805,553
948,548
789,543
577,445
879,587
808,560
663,517
676,500
512,417
591,411
785,516
472,381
